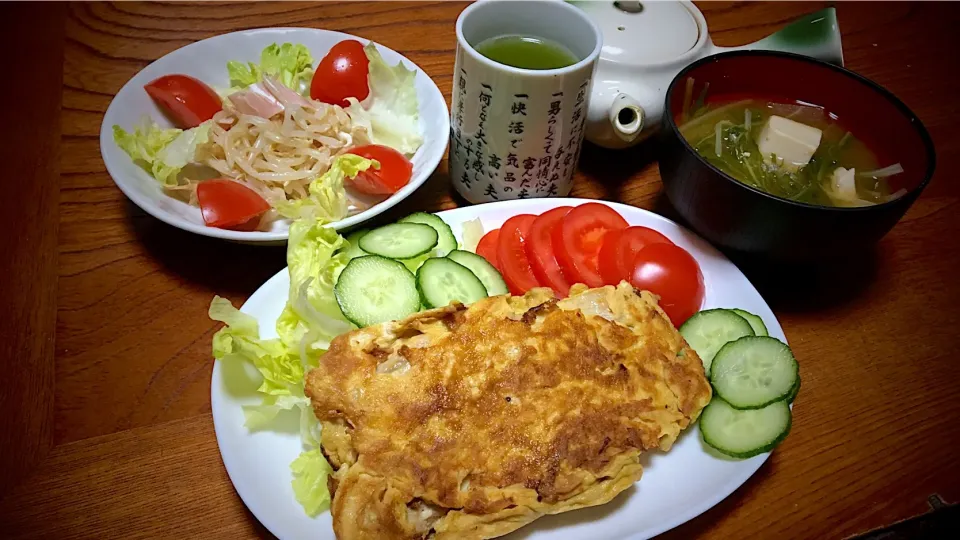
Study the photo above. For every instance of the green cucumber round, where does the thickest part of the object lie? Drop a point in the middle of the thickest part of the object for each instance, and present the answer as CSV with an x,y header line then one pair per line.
x,y
446,241
487,273
709,330
744,434
754,371
373,289
755,321
399,240
442,281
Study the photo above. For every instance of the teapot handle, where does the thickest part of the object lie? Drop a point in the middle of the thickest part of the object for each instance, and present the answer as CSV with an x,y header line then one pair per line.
x,y
816,35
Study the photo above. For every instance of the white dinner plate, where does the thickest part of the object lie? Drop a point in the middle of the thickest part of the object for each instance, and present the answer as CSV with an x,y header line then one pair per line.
x,y
676,486
207,60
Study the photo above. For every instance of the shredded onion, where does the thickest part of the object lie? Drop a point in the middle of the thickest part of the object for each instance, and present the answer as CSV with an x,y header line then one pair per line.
x,y
717,148
896,168
746,119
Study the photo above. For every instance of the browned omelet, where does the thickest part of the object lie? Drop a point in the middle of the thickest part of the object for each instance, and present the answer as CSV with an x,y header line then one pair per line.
x,y
470,422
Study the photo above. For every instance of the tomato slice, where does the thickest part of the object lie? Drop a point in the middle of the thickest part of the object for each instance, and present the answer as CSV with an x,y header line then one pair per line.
x,y
394,172
342,73
620,248
512,255
539,248
487,248
187,101
674,275
577,241
230,205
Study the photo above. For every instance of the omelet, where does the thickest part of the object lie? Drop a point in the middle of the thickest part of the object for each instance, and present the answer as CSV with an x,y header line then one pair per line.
x,y
470,422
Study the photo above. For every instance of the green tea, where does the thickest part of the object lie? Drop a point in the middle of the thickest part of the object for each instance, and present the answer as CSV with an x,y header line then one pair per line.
x,y
526,52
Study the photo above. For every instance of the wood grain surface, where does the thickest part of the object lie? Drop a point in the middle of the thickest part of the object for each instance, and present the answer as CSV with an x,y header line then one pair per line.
x,y
105,342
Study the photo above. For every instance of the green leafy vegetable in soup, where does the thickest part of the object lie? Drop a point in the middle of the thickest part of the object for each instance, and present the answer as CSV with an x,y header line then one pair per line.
x,y
795,151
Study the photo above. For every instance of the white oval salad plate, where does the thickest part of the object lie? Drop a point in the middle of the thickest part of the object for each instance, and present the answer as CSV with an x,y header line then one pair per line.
x,y
206,60
676,486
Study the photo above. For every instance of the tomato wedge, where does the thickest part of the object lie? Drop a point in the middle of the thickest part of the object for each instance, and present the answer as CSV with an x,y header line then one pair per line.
x,y
539,248
342,73
487,248
619,251
394,172
674,275
230,205
512,255
577,241
187,101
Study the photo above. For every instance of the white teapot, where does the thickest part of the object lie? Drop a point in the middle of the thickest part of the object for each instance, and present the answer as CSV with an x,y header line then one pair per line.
x,y
645,44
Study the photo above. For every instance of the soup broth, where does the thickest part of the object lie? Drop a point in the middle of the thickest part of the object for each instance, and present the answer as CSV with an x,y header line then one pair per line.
x,y
728,134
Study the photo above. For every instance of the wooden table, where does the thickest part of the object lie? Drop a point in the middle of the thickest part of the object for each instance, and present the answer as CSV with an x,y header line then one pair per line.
x,y
104,396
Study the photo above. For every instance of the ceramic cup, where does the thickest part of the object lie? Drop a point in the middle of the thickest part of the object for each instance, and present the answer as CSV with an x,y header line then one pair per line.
x,y
516,133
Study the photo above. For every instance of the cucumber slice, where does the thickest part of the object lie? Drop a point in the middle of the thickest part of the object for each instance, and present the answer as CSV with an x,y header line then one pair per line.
x,y
744,434
373,289
441,281
794,391
400,240
446,241
353,244
754,371
488,274
711,329
755,321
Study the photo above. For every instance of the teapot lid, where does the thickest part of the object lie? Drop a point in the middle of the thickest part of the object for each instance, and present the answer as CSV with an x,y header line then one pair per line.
x,y
643,33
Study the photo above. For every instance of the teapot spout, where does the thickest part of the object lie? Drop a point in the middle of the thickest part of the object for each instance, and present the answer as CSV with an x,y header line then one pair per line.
x,y
816,35
626,118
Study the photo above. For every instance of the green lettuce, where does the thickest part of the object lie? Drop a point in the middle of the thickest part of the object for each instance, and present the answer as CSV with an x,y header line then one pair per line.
x,y
311,318
161,152
280,367
310,472
327,199
392,113
291,64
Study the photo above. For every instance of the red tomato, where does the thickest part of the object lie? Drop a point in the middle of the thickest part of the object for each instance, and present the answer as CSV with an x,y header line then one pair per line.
x,y
187,101
512,255
341,74
230,205
577,241
620,248
539,248
394,172
487,248
674,275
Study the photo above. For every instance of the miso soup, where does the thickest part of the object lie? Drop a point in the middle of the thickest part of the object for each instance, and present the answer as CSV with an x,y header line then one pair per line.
x,y
792,150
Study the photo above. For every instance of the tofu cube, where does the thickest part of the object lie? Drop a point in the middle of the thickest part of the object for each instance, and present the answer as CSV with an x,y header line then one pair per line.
x,y
791,142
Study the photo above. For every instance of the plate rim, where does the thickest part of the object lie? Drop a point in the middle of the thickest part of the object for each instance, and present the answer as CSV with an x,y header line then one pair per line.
x,y
430,164
749,469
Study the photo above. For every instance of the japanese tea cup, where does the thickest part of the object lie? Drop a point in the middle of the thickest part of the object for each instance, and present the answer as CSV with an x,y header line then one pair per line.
x,y
516,133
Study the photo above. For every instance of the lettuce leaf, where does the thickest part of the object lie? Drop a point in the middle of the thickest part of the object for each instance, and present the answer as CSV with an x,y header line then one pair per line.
x,y
327,199
392,113
311,318
240,341
289,63
181,151
310,471
161,152
312,307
